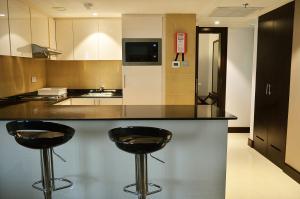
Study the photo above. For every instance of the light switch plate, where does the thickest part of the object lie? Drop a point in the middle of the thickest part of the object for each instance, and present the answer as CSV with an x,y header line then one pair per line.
x,y
33,79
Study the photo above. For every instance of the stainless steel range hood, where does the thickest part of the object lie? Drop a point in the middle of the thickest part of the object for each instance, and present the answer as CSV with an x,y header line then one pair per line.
x,y
43,52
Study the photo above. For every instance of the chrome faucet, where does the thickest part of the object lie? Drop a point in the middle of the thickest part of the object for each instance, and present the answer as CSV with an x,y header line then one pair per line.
x,y
101,89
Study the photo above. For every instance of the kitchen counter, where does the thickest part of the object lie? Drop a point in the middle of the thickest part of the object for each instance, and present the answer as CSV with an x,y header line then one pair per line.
x,y
45,110
195,157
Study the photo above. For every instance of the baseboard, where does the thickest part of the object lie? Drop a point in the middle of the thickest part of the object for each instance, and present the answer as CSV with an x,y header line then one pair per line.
x,y
250,143
293,173
238,129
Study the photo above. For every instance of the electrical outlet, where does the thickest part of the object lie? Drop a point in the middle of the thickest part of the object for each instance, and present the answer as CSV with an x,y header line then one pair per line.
x,y
33,79
175,64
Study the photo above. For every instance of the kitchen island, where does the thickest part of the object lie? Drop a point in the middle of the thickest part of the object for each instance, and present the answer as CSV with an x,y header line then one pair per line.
x,y
195,158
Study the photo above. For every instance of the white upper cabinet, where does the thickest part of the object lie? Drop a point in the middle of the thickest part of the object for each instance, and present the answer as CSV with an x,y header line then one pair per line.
x,y
142,26
64,39
4,31
110,39
89,39
52,40
39,28
20,34
85,39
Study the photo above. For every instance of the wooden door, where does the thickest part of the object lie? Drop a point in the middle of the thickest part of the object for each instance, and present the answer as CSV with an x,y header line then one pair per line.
x,y
280,82
264,63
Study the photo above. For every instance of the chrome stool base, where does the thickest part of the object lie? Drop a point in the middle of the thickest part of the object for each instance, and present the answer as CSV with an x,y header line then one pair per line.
x,y
69,184
157,187
48,180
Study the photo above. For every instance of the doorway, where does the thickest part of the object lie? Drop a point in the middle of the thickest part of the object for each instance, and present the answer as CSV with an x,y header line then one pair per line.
x,y
211,64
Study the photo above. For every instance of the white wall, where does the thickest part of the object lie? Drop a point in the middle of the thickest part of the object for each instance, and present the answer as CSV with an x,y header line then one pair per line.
x,y
292,157
254,66
205,63
239,75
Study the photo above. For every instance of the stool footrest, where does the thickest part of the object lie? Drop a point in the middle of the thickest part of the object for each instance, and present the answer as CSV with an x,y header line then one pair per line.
x,y
157,189
54,188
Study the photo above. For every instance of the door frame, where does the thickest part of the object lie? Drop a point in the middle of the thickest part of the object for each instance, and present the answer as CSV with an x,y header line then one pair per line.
x,y
223,31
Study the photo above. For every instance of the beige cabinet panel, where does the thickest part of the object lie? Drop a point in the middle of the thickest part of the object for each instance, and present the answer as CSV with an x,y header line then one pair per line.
x,y
39,28
20,33
4,31
83,101
111,101
110,39
142,85
85,39
64,38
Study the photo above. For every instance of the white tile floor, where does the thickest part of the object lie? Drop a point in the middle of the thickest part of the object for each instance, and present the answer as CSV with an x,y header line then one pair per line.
x,y
251,176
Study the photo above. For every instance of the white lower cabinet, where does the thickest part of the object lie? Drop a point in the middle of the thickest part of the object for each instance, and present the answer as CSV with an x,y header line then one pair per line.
x,y
83,101
91,101
65,102
111,101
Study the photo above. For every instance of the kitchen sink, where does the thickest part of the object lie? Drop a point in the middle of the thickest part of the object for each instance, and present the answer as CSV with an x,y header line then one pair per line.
x,y
103,94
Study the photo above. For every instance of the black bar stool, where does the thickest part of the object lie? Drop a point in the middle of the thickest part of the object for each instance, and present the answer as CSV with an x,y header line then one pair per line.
x,y
44,136
140,141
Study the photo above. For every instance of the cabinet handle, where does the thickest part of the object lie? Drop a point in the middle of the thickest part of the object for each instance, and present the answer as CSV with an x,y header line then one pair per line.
x,y
267,86
270,89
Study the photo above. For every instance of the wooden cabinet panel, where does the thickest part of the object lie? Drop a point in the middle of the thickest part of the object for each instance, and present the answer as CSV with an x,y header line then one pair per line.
x,y
272,82
64,38
4,31
20,33
39,28
85,39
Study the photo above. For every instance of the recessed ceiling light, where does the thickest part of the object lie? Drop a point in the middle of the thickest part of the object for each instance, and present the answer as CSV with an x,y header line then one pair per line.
x,y
2,15
217,22
59,8
95,14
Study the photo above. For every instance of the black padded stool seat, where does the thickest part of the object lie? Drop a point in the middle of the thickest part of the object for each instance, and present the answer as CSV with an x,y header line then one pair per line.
x,y
140,140
39,134
43,136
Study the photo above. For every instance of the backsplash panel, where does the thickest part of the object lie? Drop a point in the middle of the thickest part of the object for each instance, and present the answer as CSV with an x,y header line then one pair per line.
x,y
16,73
84,74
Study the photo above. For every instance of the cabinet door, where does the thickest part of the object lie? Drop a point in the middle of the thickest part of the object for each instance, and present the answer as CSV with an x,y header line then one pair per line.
x,y
4,31
142,85
85,39
83,101
111,101
280,82
110,39
264,63
64,39
52,38
39,28
20,33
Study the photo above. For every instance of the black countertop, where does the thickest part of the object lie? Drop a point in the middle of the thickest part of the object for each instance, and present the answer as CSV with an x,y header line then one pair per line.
x,y
45,110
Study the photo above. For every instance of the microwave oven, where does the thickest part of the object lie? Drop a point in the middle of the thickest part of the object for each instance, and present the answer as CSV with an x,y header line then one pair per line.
x,y
141,52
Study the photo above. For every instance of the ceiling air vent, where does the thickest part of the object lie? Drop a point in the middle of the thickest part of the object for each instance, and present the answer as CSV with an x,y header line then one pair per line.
x,y
234,11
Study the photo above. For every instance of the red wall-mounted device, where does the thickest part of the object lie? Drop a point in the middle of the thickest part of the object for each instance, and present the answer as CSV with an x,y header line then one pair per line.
x,y
181,42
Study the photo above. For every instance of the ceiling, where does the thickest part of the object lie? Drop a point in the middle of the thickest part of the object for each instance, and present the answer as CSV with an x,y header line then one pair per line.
x,y
115,8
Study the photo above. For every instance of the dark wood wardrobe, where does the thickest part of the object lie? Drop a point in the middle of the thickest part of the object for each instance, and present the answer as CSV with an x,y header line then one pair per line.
x,y
274,51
